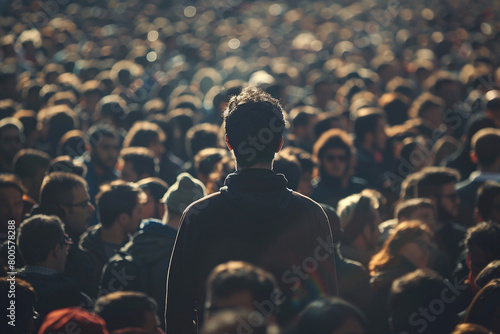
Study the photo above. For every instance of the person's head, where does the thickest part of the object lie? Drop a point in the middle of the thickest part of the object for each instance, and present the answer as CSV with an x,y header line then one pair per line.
x,y
65,195
81,320
420,209
430,108
92,92
11,139
124,309
181,194
369,128
73,143
11,200
410,240
307,167
65,164
254,125
155,189
201,136
111,109
289,166
236,322
120,203
138,163
470,329
146,134
241,285
331,316
485,307
417,297
334,153
483,246
205,162
42,242
303,120
105,147
488,202
493,106
30,165
23,311
489,273
486,149
359,220
438,184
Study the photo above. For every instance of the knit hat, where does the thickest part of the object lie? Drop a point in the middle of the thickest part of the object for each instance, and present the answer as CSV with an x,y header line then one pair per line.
x,y
86,322
183,192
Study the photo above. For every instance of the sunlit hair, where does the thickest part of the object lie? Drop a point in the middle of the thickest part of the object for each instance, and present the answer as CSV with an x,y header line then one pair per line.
x,y
404,233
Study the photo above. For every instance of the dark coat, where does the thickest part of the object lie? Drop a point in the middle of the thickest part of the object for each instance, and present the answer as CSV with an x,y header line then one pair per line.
x,y
254,218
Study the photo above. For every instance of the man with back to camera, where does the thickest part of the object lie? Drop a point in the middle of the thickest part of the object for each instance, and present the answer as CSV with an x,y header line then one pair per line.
x,y
254,218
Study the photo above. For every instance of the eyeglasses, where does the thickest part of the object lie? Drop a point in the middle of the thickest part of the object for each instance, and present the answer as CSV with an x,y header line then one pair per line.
x,y
333,157
82,204
68,242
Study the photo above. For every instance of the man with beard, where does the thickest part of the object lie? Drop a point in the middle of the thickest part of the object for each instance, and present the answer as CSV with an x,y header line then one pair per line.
x,y
65,195
334,153
101,163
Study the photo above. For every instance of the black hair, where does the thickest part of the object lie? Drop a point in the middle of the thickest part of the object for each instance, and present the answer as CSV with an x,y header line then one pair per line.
x,y
116,198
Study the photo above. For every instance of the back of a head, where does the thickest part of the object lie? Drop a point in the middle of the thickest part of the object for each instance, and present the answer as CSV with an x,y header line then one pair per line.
x,y
142,160
182,193
489,273
486,146
37,236
485,306
123,309
73,317
28,161
325,316
355,212
408,207
237,322
485,199
201,136
485,236
234,277
65,164
366,123
156,186
467,328
98,131
289,166
410,293
254,125
141,134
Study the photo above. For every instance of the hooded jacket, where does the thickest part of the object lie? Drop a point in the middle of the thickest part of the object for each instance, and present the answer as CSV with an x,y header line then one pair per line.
x,y
254,218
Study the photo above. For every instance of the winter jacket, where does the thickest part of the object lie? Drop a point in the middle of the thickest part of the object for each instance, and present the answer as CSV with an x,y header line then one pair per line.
x,y
254,218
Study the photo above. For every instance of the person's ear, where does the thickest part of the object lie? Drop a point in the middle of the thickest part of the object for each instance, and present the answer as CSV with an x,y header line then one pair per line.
x,y
123,219
280,145
477,215
58,250
473,156
161,209
227,143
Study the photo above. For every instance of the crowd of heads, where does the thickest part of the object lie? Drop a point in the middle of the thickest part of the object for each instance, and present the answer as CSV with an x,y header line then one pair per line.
x,y
117,115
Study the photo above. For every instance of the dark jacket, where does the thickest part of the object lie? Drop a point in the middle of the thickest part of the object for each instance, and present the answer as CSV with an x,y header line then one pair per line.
x,y
329,190
369,169
254,218
146,269
79,267
54,292
92,243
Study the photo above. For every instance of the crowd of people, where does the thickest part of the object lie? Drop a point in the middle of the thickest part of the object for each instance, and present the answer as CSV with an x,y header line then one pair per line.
x,y
250,166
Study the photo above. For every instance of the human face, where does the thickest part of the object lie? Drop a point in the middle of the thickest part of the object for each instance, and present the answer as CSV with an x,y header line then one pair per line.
x,y
79,212
157,147
305,185
479,259
11,206
152,322
128,173
417,251
106,152
10,143
350,326
334,162
448,200
238,300
380,137
134,220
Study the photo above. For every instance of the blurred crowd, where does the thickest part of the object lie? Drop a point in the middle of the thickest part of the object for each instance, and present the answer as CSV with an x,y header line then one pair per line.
x,y
110,126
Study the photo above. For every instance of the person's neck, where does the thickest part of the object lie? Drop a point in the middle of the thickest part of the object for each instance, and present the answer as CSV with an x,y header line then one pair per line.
x,y
50,264
489,169
174,221
260,165
114,235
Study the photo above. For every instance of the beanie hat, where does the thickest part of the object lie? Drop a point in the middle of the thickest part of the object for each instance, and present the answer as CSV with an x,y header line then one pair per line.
x,y
86,322
183,192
